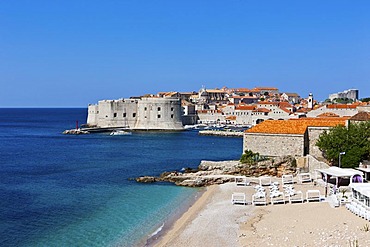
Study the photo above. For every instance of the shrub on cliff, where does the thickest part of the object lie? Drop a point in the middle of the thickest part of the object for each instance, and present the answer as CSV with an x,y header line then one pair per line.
x,y
250,158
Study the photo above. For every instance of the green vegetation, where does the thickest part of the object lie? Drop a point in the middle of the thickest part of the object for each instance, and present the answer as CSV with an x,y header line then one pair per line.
x,y
251,158
365,99
354,141
342,100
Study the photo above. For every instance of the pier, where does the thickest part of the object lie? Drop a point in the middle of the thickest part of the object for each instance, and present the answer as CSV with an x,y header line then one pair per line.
x,y
227,133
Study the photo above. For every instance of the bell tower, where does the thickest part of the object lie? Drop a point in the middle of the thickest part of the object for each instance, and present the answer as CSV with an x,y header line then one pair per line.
x,y
310,101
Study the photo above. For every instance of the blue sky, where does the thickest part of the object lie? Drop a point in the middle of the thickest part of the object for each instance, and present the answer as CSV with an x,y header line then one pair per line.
x,y
72,53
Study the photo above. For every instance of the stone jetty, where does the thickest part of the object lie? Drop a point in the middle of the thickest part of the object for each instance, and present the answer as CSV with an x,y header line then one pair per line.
x,y
75,132
221,133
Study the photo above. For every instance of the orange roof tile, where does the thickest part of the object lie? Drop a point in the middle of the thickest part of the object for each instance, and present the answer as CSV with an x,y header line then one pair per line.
x,y
361,116
265,88
294,126
285,109
242,90
328,114
285,104
231,118
215,91
245,107
261,110
341,106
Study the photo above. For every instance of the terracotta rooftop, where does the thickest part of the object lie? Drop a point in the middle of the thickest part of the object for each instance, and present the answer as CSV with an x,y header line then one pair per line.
x,y
285,109
328,114
261,110
242,90
265,88
231,118
294,126
341,106
361,116
285,104
292,94
215,91
245,107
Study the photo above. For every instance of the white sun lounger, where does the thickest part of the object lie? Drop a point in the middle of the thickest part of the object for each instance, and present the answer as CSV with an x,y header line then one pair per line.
x,y
242,180
265,180
313,195
297,197
304,177
287,179
277,197
238,198
259,198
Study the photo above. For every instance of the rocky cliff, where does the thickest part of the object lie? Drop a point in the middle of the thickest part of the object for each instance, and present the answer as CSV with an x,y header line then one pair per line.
x,y
218,172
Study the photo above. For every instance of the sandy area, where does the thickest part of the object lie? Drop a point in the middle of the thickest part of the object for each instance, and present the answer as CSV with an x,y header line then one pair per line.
x,y
214,221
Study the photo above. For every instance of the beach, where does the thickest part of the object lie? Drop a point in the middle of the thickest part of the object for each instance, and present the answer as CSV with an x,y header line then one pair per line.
x,y
214,221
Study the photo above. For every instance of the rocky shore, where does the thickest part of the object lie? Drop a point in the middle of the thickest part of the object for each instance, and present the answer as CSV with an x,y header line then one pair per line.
x,y
219,172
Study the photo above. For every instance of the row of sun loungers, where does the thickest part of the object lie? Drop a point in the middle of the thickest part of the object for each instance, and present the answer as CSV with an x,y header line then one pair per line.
x,y
275,196
266,180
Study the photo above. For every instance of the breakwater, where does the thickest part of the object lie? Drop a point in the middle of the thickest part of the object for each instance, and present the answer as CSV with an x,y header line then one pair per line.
x,y
221,133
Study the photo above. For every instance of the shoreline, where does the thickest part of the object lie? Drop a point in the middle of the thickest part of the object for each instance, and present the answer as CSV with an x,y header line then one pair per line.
x,y
207,219
214,221
155,237
178,224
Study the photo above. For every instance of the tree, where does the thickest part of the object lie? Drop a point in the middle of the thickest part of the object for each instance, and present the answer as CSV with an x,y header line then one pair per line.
x,y
354,141
365,99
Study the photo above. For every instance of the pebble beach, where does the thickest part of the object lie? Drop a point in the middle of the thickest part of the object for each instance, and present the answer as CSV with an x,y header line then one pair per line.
x,y
214,221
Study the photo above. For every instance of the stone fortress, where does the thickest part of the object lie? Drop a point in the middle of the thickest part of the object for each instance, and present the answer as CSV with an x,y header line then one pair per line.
x,y
145,113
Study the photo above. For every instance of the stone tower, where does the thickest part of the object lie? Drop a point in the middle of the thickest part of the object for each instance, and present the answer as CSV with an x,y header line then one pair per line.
x,y
310,101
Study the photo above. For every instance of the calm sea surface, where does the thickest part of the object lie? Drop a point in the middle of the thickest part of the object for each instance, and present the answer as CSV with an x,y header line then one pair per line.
x,y
59,190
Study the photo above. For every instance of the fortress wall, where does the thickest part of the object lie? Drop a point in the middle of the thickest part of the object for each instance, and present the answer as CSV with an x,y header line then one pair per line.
x,y
92,115
145,113
117,113
274,144
159,113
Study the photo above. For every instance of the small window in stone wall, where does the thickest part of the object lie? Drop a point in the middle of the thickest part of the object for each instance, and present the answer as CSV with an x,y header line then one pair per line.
x,y
134,114
159,116
159,108
115,114
124,114
171,115
145,108
171,108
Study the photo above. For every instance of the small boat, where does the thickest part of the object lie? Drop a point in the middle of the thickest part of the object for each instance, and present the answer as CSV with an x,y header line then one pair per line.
x,y
120,133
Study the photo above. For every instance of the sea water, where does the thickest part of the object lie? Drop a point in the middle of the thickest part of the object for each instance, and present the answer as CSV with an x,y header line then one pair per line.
x,y
64,190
